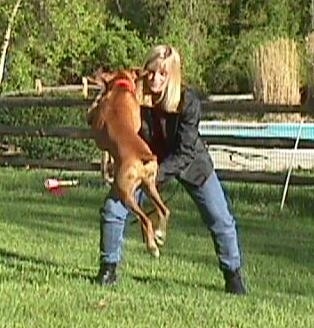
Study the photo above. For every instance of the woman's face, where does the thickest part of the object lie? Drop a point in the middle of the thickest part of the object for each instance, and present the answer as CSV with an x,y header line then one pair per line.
x,y
157,80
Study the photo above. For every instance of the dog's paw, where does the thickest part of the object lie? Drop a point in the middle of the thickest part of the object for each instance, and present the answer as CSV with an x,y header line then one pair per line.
x,y
154,251
160,237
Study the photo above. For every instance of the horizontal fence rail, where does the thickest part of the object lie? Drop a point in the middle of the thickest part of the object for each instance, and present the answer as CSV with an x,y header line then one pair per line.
x,y
207,106
264,177
43,102
31,131
69,88
277,178
85,133
18,161
257,142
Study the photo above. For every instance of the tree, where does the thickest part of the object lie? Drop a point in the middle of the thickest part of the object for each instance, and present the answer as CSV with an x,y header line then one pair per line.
x,y
7,37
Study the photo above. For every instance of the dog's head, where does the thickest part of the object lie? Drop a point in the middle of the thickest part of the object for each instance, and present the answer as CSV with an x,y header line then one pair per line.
x,y
107,79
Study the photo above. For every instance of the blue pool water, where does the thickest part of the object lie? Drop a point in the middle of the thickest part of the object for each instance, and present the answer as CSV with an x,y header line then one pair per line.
x,y
265,130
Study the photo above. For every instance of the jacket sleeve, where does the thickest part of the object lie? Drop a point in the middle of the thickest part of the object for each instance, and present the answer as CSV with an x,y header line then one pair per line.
x,y
187,136
146,124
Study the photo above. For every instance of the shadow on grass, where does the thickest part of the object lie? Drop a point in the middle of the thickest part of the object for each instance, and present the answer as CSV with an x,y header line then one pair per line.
x,y
49,222
282,240
33,264
70,198
169,282
50,214
299,199
206,259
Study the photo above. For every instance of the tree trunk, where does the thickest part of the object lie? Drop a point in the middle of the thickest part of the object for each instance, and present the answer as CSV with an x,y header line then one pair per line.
x,y
7,38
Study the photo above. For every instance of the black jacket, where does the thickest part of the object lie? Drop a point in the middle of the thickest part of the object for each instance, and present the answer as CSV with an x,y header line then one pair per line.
x,y
185,155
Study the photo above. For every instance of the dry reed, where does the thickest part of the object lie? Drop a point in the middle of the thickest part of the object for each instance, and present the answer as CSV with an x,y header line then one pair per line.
x,y
309,43
276,73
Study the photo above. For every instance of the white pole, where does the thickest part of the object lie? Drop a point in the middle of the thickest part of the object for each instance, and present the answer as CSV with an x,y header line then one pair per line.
x,y
7,37
295,149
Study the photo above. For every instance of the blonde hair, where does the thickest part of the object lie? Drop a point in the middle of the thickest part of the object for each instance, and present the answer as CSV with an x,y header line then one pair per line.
x,y
168,59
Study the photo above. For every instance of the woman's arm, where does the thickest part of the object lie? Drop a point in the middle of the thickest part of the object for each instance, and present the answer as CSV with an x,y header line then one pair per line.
x,y
187,136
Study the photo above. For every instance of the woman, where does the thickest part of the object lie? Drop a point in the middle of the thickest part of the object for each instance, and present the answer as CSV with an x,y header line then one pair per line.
x,y
182,155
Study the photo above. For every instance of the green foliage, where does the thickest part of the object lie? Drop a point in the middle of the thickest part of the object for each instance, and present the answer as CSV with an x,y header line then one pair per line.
x,y
63,41
122,47
50,148
22,72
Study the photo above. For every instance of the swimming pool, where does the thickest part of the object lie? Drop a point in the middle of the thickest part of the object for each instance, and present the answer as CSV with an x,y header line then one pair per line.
x,y
264,130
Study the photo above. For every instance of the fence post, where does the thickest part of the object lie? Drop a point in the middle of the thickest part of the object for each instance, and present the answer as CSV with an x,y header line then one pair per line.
x,y
85,86
38,87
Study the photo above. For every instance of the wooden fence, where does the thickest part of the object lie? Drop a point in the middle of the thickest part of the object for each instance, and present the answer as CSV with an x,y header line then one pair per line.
x,y
41,89
246,106
208,106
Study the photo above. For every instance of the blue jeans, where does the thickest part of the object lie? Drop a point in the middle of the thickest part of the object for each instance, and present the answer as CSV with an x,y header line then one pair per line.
x,y
214,209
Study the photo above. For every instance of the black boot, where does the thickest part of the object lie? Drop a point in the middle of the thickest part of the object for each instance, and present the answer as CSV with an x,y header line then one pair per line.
x,y
107,274
233,282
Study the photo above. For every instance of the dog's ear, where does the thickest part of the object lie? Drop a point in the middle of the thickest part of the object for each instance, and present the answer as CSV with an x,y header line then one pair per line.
x,y
107,77
139,72
101,78
93,80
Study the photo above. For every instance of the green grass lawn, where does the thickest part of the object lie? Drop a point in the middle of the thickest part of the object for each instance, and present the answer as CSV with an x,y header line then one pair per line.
x,y
49,253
